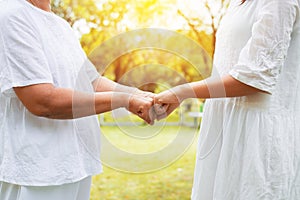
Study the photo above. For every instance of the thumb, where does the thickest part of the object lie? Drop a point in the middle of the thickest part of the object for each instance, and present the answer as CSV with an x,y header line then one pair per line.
x,y
158,100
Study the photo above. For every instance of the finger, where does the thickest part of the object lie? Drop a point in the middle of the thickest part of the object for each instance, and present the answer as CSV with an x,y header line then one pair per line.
x,y
162,100
160,109
148,120
164,115
147,113
157,100
141,109
145,94
140,113
171,108
160,117
144,117
148,99
152,115
150,94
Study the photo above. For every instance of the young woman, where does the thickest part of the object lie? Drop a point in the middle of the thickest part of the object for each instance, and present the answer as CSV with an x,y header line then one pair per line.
x,y
249,145
49,95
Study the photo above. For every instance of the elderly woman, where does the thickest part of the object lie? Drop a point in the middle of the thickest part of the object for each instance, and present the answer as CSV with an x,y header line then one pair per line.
x,y
49,95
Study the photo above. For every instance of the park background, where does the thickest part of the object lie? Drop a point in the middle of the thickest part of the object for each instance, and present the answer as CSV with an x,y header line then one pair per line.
x,y
97,21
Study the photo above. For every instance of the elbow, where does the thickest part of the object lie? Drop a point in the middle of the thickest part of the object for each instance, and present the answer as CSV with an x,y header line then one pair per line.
x,y
46,107
54,109
43,100
41,111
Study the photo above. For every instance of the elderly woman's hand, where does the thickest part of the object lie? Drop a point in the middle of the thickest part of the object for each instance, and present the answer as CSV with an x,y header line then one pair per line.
x,y
142,106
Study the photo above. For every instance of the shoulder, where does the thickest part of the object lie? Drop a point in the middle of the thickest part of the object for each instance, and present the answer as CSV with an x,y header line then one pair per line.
x,y
13,12
278,9
10,8
61,21
275,3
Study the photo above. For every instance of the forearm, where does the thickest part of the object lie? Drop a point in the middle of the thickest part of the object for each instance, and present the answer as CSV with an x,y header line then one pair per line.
x,y
214,88
59,103
73,104
45,100
103,84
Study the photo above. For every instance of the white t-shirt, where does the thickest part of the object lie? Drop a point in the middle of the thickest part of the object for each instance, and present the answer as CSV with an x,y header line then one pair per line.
x,y
40,47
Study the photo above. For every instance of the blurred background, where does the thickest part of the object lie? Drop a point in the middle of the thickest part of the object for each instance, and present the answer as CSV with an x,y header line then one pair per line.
x,y
97,21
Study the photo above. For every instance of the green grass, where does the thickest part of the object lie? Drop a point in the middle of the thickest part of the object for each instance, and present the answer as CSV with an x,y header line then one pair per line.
x,y
172,182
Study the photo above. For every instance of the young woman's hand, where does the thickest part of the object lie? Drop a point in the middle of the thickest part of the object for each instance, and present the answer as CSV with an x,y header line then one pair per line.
x,y
165,103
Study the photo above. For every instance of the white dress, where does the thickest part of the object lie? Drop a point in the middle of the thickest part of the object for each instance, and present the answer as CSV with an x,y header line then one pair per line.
x,y
249,147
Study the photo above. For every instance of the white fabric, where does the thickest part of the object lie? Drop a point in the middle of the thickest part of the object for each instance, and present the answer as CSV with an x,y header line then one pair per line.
x,y
40,47
249,147
73,191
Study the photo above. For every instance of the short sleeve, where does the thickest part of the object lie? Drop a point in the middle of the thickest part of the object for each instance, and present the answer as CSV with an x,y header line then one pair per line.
x,y
91,70
23,61
262,58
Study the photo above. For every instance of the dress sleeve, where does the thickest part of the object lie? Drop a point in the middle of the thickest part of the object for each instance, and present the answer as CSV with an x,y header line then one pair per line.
x,y
23,61
262,58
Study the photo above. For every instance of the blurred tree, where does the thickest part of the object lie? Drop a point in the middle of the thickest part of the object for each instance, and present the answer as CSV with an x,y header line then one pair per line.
x,y
64,9
215,9
96,21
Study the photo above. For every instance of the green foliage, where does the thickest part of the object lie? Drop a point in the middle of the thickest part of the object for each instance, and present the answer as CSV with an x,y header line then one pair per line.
x,y
98,21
